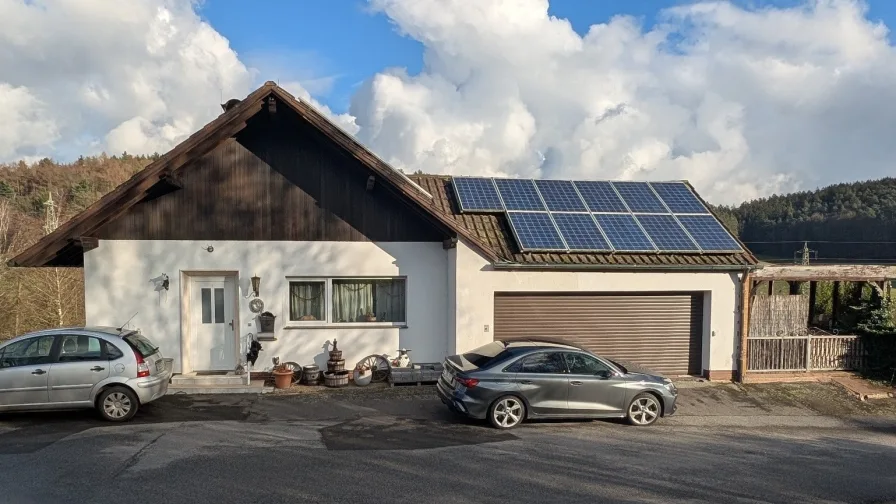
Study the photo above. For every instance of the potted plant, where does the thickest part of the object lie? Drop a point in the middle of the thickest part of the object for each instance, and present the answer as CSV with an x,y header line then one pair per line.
x,y
362,375
282,376
370,316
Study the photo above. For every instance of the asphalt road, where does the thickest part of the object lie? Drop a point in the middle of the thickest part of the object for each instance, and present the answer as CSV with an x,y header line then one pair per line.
x,y
408,449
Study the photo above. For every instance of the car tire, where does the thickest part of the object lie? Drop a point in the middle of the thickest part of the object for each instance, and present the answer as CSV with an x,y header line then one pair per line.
x,y
644,410
117,404
507,412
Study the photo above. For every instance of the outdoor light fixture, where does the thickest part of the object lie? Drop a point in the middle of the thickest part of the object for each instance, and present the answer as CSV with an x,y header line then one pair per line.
x,y
165,282
255,284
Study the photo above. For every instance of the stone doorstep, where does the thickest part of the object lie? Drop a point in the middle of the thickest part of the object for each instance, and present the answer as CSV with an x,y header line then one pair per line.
x,y
256,387
193,380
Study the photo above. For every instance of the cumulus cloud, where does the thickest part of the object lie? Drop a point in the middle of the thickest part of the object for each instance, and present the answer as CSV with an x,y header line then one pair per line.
x,y
741,102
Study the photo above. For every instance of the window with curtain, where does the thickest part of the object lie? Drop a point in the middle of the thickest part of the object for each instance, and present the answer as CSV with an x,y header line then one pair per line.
x,y
307,301
380,300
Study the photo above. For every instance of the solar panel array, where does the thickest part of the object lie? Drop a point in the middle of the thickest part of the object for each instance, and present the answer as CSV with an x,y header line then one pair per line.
x,y
598,216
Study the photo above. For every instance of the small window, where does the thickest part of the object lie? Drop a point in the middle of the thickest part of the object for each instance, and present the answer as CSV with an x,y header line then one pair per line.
x,y
307,301
27,352
544,363
80,347
206,305
112,351
369,300
219,306
581,364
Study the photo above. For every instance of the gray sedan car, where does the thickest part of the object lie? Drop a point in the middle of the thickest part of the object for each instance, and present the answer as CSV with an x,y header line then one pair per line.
x,y
112,370
510,381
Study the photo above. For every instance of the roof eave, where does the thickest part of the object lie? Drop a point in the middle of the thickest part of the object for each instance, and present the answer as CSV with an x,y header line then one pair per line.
x,y
710,268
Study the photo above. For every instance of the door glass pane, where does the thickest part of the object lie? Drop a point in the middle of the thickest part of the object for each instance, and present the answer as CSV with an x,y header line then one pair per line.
x,y
581,364
544,363
219,306
206,305
27,352
80,348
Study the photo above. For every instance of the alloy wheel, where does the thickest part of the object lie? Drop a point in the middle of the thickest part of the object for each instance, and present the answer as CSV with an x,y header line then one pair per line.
x,y
508,412
117,405
644,410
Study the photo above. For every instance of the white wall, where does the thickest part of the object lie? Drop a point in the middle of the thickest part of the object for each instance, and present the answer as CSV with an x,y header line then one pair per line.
x,y
473,303
118,278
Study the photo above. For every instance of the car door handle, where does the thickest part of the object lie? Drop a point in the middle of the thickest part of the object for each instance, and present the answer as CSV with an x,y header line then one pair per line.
x,y
526,382
38,372
97,368
575,383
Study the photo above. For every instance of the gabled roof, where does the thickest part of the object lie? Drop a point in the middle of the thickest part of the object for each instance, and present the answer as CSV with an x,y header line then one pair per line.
x,y
74,236
494,231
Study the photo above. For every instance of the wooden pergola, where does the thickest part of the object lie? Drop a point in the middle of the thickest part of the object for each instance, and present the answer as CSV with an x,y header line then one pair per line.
x,y
878,276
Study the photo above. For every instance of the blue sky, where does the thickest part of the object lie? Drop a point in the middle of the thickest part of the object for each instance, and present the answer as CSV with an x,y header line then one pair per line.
x,y
332,46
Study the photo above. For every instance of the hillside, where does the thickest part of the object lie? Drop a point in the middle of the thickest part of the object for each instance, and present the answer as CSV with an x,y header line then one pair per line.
x,y
839,221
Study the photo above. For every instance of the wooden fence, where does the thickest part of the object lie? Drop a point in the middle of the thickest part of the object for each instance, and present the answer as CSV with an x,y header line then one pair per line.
x,y
779,340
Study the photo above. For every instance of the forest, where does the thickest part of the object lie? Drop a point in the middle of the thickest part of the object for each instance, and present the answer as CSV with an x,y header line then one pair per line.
x,y
838,221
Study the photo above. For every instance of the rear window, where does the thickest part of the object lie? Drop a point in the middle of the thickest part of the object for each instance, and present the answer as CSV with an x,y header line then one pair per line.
x,y
486,354
141,344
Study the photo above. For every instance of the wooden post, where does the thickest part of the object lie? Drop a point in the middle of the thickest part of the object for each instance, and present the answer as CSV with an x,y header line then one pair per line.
x,y
744,323
771,287
835,303
794,288
812,287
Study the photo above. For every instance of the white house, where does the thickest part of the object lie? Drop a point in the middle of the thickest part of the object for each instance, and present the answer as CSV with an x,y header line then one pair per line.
x,y
342,247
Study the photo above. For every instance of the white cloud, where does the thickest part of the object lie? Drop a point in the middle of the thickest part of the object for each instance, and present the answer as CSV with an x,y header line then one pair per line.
x,y
741,102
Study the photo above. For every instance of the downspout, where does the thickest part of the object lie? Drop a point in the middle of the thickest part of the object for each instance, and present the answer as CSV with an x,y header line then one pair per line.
x,y
745,298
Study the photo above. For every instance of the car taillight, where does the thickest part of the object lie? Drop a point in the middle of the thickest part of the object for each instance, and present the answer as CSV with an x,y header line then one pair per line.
x,y
142,366
467,382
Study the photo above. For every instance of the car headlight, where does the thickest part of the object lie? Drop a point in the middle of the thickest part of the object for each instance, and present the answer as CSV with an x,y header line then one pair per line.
x,y
670,386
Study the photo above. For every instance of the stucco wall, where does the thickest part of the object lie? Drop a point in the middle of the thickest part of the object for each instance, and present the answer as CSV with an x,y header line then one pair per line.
x,y
119,282
476,283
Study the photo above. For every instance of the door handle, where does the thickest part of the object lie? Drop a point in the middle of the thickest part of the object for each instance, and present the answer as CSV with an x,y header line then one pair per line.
x,y
576,383
231,324
97,368
526,382
38,372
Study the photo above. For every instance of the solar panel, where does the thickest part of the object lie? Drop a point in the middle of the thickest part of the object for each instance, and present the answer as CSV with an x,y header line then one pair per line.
x,y
624,233
476,194
666,233
709,233
560,196
639,197
600,196
519,194
535,231
679,198
580,232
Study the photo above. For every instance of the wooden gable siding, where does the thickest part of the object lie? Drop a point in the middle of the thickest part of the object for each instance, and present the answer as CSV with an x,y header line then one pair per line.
x,y
279,179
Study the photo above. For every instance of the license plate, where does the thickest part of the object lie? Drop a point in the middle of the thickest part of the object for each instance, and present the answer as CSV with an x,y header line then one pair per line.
x,y
447,376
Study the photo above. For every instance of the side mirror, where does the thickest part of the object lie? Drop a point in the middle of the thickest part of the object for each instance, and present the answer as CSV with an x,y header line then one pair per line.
x,y
604,374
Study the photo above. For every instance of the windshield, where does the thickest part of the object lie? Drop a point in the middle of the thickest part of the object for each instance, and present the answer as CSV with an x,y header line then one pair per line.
x,y
141,344
486,354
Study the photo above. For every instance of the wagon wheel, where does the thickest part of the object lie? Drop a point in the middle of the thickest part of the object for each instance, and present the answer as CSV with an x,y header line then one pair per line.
x,y
378,365
296,371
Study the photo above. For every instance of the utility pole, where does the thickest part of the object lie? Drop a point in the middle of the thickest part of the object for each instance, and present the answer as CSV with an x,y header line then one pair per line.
x,y
804,255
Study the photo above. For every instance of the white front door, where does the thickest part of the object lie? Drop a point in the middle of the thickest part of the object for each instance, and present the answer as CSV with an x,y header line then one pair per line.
x,y
213,345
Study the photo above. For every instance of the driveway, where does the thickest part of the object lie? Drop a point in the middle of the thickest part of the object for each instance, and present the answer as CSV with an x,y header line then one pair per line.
x,y
768,443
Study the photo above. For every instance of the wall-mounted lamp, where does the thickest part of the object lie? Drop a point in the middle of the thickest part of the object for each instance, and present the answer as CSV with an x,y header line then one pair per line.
x,y
209,249
256,283
165,282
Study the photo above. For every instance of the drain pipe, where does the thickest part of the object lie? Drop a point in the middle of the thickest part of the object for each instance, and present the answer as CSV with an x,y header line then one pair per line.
x,y
745,298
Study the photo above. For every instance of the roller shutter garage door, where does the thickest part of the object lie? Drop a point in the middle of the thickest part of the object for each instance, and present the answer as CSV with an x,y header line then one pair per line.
x,y
663,332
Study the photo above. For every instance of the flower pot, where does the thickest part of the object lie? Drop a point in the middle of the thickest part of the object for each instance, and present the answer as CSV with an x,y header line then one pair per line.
x,y
282,379
370,318
362,378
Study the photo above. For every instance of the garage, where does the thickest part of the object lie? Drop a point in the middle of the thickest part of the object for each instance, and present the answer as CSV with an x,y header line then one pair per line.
x,y
661,331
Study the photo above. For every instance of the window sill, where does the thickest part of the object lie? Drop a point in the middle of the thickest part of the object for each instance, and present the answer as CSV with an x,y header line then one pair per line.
x,y
344,325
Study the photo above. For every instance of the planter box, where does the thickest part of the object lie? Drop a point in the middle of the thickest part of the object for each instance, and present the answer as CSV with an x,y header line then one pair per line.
x,y
418,373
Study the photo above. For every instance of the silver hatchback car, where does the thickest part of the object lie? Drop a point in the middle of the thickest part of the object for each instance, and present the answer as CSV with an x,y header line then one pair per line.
x,y
112,370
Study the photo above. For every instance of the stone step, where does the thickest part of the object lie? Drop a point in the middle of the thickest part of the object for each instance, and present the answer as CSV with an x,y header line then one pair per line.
x,y
193,380
257,387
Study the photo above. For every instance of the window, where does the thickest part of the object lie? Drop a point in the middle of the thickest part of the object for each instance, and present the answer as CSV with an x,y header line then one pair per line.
x,y
141,344
27,352
544,363
581,364
206,294
369,300
112,351
307,301
80,347
316,301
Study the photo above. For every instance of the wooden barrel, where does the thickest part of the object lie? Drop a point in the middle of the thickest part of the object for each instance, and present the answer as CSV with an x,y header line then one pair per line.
x,y
310,374
337,379
336,365
335,354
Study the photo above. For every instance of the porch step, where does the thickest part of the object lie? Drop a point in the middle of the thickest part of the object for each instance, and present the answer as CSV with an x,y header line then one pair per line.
x,y
193,380
257,387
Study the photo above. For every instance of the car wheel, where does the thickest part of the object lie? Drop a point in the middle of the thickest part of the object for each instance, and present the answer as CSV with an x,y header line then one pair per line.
x,y
643,410
117,404
507,412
